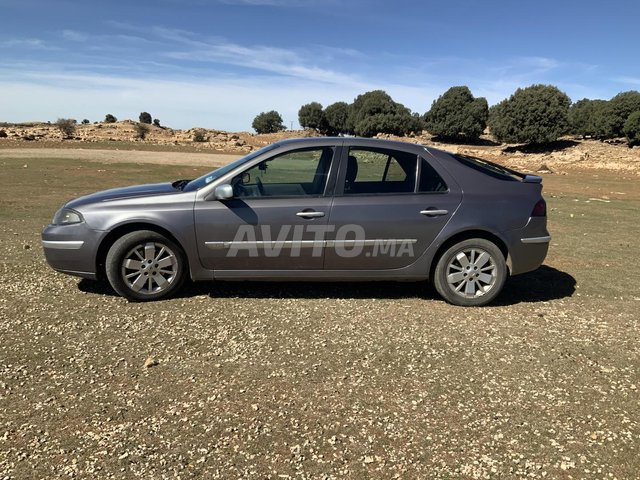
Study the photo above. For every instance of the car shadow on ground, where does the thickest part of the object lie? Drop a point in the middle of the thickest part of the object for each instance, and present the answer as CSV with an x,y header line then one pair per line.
x,y
543,284
557,146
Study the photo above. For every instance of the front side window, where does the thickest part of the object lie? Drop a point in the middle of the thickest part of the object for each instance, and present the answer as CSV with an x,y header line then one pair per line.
x,y
292,174
376,171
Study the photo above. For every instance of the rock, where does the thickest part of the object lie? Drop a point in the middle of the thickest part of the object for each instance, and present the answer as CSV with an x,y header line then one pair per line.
x,y
150,362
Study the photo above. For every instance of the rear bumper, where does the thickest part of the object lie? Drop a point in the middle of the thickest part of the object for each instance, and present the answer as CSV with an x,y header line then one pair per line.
x,y
528,246
72,249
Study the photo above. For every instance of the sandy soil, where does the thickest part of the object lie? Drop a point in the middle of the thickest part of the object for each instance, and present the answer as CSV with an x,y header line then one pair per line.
x,y
122,156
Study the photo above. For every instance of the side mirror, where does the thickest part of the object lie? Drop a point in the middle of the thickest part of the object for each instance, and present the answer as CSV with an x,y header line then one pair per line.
x,y
223,192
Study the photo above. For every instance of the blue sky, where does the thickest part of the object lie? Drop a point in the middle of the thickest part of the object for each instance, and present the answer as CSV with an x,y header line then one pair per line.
x,y
217,63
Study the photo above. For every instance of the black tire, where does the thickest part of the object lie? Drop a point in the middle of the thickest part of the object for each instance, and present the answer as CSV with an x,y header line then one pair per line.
x,y
461,281
150,280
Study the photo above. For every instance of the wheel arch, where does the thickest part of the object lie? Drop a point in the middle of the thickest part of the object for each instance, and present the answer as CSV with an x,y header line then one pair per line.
x,y
467,235
123,229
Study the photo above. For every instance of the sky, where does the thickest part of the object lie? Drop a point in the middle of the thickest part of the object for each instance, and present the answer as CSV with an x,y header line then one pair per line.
x,y
218,63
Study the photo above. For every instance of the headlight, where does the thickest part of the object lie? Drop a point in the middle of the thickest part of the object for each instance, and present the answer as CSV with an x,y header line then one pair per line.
x,y
66,216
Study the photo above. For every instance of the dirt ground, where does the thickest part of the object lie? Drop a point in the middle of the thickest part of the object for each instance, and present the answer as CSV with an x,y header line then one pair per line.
x,y
297,380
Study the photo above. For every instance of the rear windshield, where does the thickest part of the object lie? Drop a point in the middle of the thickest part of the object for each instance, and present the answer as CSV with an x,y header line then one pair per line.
x,y
489,168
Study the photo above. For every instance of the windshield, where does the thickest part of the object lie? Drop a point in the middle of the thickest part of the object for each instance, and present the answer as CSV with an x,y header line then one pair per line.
x,y
211,176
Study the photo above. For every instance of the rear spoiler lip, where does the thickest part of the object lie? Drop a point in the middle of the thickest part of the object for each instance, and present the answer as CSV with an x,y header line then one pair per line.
x,y
531,179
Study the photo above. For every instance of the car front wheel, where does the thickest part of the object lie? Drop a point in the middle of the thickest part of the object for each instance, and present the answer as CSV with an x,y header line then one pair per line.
x,y
470,273
145,265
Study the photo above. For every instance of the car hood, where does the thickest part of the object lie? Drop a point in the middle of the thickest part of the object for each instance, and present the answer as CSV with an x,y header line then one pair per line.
x,y
126,192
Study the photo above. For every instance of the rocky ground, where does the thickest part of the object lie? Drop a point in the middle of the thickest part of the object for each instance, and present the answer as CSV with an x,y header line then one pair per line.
x,y
309,381
566,154
213,140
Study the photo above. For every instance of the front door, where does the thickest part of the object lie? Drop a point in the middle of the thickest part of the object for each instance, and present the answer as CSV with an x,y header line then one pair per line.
x,y
392,207
276,218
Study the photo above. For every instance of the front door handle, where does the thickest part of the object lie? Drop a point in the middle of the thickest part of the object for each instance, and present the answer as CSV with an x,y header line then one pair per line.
x,y
310,214
434,213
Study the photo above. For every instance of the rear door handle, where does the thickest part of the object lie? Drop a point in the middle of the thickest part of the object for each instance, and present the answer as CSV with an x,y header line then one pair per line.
x,y
310,214
434,213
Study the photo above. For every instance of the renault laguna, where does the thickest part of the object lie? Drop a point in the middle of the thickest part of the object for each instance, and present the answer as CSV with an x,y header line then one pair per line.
x,y
321,209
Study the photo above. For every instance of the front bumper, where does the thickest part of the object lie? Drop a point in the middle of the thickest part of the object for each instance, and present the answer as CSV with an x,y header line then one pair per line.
x,y
72,249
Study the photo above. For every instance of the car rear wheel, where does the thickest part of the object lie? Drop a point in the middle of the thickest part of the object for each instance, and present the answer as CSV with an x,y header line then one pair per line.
x,y
145,265
470,273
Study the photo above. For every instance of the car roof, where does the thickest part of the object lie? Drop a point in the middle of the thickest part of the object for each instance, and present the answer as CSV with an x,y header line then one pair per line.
x,y
362,141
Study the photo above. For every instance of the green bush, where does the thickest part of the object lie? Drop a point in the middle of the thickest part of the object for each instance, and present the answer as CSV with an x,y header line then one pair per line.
x,y
391,123
631,129
108,118
141,130
536,114
199,135
375,112
145,117
457,115
268,122
611,122
312,116
336,117
67,126
156,122
585,115
86,121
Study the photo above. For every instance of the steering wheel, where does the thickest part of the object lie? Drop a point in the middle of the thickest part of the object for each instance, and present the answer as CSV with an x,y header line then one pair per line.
x,y
260,186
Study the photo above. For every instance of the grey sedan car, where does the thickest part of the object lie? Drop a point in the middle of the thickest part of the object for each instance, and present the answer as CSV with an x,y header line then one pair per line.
x,y
334,209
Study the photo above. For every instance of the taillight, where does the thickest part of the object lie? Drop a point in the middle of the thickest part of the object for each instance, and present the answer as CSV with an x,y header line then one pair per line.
x,y
540,209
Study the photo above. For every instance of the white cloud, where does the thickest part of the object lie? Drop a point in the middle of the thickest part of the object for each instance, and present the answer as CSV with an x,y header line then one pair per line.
x,y
74,36
29,43
633,81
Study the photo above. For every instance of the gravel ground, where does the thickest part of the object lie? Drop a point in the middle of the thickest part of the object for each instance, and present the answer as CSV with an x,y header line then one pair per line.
x,y
243,380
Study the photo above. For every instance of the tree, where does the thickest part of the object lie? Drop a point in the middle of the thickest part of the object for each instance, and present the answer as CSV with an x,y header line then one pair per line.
x,y
536,114
268,122
312,116
632,128
375,112
67,126
156,122
108,118
616,112
86,121
141,130
585,116
145,117
336,118
457,115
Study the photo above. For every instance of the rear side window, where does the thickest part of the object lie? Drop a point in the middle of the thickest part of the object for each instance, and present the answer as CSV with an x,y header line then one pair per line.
x,y
377,171
488,168
430,180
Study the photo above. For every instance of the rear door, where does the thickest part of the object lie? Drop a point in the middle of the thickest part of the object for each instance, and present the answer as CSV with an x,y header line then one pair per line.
x,y
389,207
